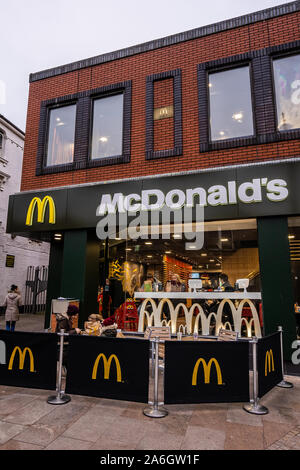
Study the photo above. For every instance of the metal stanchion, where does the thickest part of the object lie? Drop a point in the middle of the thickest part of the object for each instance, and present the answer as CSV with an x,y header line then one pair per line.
x,y
283,383
155,411
152,359
60,398
255,407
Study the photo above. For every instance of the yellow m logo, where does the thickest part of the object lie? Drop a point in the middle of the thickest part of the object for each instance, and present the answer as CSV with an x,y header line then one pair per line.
x,y
22,355
207,371
41,209
106,366
269,362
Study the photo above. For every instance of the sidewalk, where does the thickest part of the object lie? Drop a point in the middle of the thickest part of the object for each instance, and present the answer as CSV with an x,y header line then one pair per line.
x,y
28,422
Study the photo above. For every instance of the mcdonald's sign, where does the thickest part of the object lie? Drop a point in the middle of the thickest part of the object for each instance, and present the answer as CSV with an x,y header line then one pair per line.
x,y
107,366
22,356
269,362
207,371
41,209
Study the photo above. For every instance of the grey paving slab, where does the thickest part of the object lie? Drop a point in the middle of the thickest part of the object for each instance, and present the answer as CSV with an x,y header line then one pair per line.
x,y
8,431
9,404
29,413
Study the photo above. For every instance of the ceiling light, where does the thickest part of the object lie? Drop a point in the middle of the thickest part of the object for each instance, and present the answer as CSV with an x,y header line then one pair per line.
x,y
103,139
168,252
203,254
224,239
291,236
148,243
128,249
238,116
149,256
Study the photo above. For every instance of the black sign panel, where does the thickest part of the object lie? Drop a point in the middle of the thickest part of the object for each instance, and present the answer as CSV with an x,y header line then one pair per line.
x,y
247,191
269,366
206,372
28,359
116,368
10,261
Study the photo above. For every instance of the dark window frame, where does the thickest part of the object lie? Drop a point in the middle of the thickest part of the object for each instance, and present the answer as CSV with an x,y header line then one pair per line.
x,y
177,150
280,52
83,101
263,97
104,92
215,66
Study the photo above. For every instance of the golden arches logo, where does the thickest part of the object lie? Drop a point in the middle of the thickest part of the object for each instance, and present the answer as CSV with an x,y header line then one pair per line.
x,y
22,355
41,209
207,371
107,366
269,362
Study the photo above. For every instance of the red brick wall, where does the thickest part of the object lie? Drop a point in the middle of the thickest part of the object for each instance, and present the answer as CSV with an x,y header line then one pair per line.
x,y
185,56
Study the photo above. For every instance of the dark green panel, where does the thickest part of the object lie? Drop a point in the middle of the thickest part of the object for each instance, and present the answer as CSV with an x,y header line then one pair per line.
x,y
80,273
74,263
91,278
276,280
54,277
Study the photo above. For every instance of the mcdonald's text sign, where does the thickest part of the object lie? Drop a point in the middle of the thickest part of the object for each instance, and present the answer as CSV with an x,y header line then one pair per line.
x,y
41,206
116,368
206,371
28,359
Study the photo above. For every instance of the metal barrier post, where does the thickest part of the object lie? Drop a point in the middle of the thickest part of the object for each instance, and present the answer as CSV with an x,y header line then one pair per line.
x,y
156,411
60,398
152,359
255,407
283,383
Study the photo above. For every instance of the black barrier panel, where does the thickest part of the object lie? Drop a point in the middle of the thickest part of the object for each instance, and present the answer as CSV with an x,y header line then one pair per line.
x,y
28,359
115,368
206,372
269,366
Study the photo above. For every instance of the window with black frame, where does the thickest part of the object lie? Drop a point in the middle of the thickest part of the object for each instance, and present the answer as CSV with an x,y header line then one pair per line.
x,y
61,133
230,104
107,128
287,92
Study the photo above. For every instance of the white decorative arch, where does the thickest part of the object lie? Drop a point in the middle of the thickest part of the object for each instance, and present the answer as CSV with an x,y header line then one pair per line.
x,y
155,318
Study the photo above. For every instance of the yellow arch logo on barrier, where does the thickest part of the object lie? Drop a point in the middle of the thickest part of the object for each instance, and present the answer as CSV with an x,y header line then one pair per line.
x,y
107,366
41,209
22,355
207,371
269,362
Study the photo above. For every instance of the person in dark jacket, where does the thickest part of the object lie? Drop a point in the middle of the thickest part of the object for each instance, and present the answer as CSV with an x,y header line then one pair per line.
x,y
64,321
225,286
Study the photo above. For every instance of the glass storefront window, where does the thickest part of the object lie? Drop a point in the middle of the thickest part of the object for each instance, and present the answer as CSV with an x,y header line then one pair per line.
x,y
294,242
287,92
165,265
107,133
61,135
230,104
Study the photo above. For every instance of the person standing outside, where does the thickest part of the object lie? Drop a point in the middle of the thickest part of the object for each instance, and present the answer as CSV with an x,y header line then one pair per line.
x,y
12,303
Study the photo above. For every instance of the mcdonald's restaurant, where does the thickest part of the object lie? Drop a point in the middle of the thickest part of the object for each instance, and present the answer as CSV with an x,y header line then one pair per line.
x,y
164,244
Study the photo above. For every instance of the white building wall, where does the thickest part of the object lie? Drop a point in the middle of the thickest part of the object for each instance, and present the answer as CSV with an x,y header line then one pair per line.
x,y
26,252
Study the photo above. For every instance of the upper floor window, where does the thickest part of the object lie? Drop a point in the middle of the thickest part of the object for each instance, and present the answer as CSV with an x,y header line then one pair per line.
x,y
61,133
107,131
287,92
230,104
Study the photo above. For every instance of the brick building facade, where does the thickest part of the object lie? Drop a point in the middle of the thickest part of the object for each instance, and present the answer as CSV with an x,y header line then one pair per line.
x,y
167,130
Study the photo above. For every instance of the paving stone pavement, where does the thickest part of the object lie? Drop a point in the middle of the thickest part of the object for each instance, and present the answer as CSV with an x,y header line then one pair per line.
x,y
28,422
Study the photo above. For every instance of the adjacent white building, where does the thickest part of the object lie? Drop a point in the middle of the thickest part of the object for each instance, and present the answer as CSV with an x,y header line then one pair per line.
x,y
16,253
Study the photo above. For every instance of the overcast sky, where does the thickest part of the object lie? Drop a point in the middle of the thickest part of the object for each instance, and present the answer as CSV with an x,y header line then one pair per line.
x,y
40,34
